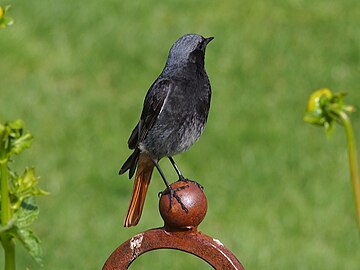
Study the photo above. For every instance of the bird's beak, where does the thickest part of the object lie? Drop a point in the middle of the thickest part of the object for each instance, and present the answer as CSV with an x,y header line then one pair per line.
x,y
207,40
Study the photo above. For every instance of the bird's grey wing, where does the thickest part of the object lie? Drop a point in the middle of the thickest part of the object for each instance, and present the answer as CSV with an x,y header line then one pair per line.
x,y
154,101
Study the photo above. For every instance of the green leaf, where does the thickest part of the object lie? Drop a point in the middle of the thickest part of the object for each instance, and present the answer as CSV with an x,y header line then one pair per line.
x,y
17,124
26,185
329,128
28,179
31,243
27,214
21,143
12,139
314,117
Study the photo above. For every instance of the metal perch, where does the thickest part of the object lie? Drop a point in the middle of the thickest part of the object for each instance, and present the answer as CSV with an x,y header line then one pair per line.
x,y
179,232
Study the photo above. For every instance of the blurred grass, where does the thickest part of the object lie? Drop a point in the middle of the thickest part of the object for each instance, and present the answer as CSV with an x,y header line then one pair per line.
x,y
279,193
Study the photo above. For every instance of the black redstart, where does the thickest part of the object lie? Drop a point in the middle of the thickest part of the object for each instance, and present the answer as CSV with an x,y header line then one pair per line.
x,y
174,115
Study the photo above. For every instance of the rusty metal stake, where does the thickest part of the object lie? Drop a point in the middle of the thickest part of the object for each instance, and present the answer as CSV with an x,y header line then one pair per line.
x,y
179,232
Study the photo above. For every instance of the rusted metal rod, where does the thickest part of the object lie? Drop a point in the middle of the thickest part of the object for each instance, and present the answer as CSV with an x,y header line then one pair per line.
x,y
179,232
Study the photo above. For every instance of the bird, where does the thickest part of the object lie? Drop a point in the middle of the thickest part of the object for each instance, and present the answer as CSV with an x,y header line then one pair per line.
x,y
173,117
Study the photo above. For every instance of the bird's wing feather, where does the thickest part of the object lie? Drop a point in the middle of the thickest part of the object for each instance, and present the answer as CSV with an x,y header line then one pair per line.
x,y
153,103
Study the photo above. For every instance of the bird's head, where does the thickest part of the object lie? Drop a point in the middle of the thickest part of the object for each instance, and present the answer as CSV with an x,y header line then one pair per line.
x,y
188,48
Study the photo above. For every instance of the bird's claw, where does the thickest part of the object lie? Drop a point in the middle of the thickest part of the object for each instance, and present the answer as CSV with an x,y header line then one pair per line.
x,y
172,194
191,181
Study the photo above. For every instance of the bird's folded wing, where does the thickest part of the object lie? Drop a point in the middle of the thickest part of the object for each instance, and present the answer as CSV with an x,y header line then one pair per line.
x,y
153,103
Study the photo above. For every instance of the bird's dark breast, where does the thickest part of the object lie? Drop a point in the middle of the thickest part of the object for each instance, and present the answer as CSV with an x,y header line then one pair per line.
x,y
181,120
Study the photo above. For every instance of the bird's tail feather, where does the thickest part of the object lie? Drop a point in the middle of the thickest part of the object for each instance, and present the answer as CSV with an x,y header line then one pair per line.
x,y
131,163
141,184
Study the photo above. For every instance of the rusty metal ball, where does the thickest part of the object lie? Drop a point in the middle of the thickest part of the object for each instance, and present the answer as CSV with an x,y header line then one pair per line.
x,y
193,198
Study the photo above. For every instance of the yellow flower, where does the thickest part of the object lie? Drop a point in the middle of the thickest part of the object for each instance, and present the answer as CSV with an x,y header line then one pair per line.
x,y
314,100
4,20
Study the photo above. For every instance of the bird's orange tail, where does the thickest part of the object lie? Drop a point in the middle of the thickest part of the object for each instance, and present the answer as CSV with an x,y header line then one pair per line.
x,y
141,184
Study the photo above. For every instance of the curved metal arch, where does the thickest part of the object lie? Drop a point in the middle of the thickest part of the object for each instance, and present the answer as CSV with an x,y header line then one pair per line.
x,y
191,241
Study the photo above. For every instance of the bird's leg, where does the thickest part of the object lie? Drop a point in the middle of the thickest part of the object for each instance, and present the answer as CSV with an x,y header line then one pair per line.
x,y
161,173
181,177
169,190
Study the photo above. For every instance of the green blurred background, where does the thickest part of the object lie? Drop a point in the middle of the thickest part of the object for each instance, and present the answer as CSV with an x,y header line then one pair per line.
x,y
279,192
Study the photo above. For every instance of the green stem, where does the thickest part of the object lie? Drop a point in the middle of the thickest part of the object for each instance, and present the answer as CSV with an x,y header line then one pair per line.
x,y
352,162
9,248
5,201
6,239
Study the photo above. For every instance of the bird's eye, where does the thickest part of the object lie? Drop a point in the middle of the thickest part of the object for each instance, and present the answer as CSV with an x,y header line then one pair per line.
x,y
200,45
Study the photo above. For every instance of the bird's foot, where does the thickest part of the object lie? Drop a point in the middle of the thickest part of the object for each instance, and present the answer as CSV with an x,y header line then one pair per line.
x,y
191,181
172,194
